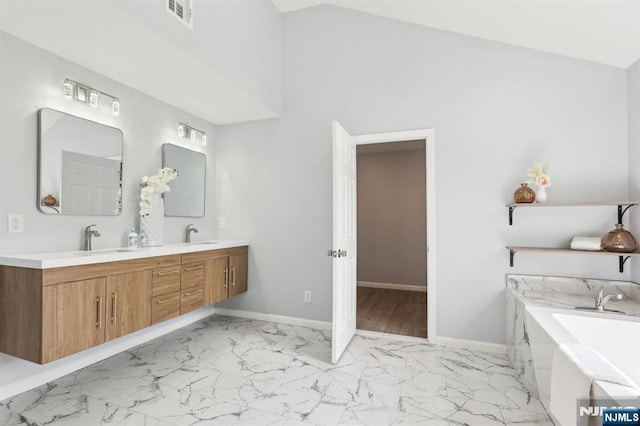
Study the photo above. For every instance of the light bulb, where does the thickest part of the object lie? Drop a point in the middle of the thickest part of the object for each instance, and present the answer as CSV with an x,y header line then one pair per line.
x,y
115,107
93,99
193,135
68,89
181,130
204,139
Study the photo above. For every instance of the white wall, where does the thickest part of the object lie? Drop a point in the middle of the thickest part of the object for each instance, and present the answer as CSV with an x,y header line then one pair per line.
x,y
633,90
495,109
239,40
30,79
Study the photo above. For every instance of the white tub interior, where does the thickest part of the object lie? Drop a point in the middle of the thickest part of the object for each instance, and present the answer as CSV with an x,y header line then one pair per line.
x,y
615,337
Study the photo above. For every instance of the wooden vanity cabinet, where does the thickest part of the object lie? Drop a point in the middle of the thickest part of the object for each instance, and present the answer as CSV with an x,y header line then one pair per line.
x,y
73,318
47,314
191,286
225,272
128,303
165,293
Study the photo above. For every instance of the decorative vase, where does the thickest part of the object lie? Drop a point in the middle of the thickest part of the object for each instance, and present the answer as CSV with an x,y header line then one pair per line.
x,y
619,240
524,194
153,223
541,194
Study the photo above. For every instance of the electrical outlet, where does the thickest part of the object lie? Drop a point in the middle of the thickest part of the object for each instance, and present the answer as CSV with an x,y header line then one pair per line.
x,y
307,296
15,222
223,222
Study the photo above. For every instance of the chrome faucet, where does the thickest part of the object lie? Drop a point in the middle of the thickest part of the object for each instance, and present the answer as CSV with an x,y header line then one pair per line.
x,y
190,229
88,234
602,300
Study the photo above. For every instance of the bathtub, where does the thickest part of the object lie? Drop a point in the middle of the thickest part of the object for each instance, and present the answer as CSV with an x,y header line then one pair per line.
x,y
616,337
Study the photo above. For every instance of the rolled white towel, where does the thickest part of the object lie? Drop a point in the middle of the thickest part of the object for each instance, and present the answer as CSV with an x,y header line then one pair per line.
x,y
586,243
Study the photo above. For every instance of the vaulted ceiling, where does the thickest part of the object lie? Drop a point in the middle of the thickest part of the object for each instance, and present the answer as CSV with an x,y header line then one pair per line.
x,y
604,31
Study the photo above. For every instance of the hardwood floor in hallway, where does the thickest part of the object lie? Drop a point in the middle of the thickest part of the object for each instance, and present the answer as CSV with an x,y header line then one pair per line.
x,y
392,311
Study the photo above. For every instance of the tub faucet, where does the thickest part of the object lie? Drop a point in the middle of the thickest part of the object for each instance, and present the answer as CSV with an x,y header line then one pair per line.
x,y
88,234
190,229
602,300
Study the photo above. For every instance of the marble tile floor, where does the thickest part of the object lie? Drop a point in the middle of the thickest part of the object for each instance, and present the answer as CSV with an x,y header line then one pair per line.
x,y
225,370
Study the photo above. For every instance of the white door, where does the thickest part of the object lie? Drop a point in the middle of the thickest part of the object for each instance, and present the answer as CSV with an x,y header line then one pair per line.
x,y
89,184
344,241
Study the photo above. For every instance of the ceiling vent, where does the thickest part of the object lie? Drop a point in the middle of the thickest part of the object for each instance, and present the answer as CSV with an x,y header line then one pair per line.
x,y
181,10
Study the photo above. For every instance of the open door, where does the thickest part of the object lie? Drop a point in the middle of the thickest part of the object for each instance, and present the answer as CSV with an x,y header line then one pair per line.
x,y
344,241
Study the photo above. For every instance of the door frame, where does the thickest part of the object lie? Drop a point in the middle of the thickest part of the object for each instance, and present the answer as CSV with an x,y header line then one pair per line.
x,y
428,136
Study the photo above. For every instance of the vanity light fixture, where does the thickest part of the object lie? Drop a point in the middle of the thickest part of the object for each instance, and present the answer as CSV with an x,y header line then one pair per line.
x,y
88,95
188,132
93,99
115,106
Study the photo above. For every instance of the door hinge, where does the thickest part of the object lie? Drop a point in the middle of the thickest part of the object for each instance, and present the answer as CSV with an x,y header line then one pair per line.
x,y
342,253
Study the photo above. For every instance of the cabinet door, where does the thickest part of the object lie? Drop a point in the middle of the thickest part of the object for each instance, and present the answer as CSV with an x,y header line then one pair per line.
x,y
216,280
74,317
128,303
237,274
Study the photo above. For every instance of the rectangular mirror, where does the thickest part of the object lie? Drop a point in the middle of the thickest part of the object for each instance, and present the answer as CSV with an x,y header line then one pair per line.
x,y
79,165
186,197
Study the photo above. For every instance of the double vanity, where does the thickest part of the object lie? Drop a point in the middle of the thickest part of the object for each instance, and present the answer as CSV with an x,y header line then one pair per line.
x,y
56,304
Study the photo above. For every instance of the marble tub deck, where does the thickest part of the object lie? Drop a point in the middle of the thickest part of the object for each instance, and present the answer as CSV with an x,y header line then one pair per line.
x,y
225,370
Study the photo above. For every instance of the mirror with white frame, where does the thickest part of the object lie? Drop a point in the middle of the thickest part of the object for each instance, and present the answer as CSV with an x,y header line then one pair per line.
x,y
79,165
187,194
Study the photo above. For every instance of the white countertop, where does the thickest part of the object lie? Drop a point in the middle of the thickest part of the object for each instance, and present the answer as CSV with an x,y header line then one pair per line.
x,y
73,258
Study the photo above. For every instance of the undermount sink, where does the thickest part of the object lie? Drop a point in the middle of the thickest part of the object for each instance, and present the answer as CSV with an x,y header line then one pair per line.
x,y
605,310
97,253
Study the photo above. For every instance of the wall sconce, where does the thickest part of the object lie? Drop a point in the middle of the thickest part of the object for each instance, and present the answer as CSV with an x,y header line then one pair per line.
x,y
88,95
186,131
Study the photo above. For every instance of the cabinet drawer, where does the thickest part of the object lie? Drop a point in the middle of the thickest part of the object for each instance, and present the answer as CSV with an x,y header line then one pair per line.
x,y
166,280
192,274
165,306
191,298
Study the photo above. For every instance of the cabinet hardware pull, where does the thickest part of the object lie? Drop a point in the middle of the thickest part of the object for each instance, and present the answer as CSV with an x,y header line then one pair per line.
x,y
162,273
113,308
160,302
98,303
226,277
233,273
193,268
191,293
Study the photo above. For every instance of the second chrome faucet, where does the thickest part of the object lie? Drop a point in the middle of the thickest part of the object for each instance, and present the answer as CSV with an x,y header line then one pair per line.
x,y
88,235
189,230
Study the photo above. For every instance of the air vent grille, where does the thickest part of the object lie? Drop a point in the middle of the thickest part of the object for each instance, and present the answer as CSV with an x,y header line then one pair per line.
x,y
181,10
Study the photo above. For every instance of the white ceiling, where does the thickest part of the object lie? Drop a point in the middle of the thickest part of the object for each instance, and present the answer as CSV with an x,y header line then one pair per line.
x,y
603,31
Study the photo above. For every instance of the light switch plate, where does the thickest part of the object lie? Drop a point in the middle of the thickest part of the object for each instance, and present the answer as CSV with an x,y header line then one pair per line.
x,y
15,222
223,222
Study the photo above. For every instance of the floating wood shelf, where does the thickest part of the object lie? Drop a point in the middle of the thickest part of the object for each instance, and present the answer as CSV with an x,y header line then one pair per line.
x,y
623,206
622,257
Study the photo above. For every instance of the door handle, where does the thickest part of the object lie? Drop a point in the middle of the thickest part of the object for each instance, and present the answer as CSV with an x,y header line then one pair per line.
x,y
233,274
191,293
226,277
193,268
113,308
160,302
342,253
98,309
162,273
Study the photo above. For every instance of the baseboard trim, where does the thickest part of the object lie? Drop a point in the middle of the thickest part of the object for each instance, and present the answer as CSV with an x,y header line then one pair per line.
x,y
391,286
22,375
319,325
494,348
